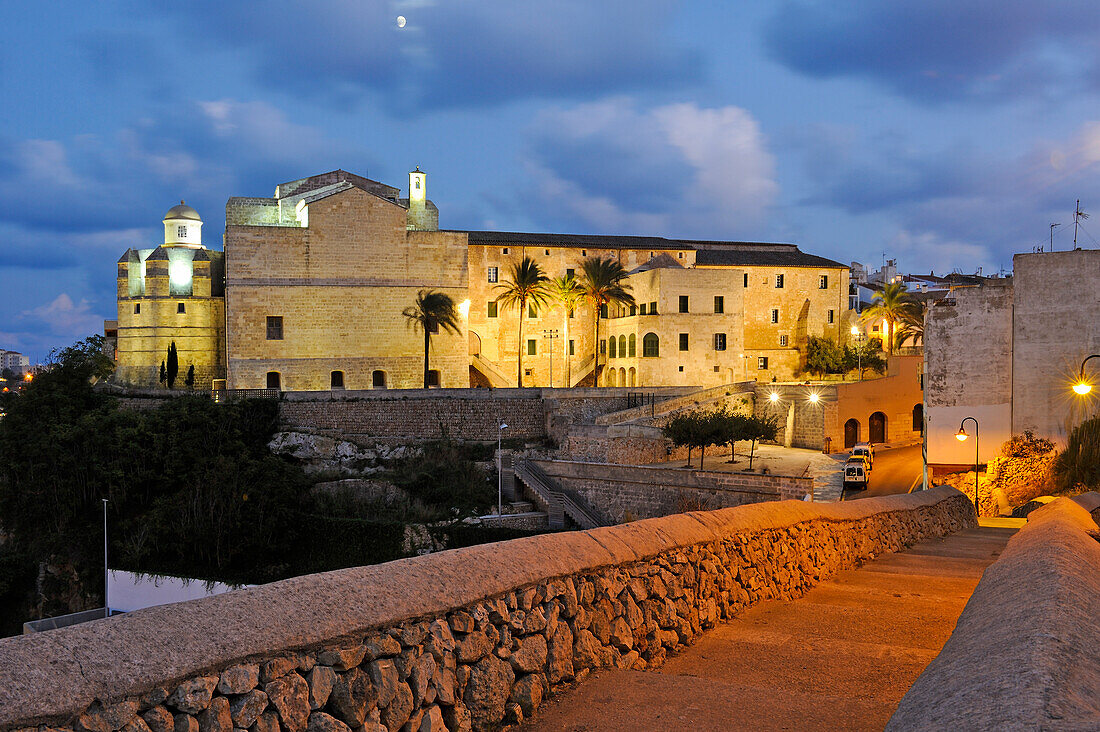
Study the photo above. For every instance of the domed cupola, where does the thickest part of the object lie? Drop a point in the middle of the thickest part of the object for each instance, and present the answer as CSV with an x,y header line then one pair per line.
x,y
183,226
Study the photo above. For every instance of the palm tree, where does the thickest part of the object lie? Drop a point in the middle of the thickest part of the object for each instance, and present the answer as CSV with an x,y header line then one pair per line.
x,y
433,311
912,325
525,284
890,304
602,283
567,292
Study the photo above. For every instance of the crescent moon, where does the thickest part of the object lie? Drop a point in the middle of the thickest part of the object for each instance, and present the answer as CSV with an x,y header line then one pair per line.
x,y
401,21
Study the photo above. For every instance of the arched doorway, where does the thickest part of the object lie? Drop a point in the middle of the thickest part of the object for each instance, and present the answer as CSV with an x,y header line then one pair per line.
x,y
633,375
877,427
622,376
851,433
918,418
611,373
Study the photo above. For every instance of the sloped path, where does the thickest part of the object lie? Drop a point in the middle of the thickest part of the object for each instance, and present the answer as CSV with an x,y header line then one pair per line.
x,y
840,657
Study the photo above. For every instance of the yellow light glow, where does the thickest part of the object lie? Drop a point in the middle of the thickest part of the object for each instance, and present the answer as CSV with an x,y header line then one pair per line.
x,y
464,308
28,377
1082,388
814,397
179,274
961,436
855,330
773,396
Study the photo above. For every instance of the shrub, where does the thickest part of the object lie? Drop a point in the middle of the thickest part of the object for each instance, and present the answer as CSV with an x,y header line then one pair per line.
x,y
1079,463
1026,445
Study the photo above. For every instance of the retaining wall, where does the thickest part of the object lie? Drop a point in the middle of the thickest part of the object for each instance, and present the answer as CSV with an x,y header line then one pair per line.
x,y
462,639
1023,653
624,492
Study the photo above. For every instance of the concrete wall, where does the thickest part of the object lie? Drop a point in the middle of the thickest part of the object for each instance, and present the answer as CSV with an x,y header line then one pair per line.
x,y
626,491
1023,653
464,638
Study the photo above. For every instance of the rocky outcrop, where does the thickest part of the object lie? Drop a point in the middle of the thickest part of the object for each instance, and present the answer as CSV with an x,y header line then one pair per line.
x,y
467,639
321,453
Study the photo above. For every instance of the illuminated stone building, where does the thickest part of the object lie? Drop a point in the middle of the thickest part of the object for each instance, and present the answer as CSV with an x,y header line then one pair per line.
x,y
317,276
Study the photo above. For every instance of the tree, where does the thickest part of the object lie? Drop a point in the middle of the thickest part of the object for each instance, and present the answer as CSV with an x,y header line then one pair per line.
x,y
433,311
173,366
912,325
864,356
759,428
190,379
567,292
824,356
1078,466
602,283
526,284
696,429
163,373
890,304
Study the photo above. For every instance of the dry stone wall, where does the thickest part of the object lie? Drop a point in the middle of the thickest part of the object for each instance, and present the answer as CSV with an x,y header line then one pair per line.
x,y
459,640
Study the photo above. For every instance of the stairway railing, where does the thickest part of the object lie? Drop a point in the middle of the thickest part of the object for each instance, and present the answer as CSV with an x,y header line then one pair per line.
x,y
557,501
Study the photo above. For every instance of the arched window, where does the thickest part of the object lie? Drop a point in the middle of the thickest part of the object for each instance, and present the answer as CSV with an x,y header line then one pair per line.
x,y
273,380
651,346
622,346
633,374
336,380
632,347
851,433
611,347
611,375
378,380
918,418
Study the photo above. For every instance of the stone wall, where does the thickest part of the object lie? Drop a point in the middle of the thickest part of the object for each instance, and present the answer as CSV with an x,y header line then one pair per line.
x,y
455,640
1006,483
1023,653
625,492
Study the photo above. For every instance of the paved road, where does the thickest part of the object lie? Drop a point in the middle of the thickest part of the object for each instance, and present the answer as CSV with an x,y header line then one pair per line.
x,y
840,657
897,470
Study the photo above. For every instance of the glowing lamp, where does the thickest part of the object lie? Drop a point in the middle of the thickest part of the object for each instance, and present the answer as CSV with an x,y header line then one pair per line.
x,y
773,396
464,308
179,274
961,435
814,397
855,330
1082,388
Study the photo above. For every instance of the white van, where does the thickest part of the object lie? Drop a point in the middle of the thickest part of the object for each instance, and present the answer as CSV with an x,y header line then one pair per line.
x,y
865,450
855,474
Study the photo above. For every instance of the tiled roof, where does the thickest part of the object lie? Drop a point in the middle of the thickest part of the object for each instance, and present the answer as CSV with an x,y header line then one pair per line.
x,y
593,241
748,257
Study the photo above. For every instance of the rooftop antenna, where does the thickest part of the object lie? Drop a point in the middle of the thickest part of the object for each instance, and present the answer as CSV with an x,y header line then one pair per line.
x,y
1052,226
1077,216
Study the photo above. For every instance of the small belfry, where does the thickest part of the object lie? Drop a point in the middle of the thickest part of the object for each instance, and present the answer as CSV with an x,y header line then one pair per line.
x,y
423,214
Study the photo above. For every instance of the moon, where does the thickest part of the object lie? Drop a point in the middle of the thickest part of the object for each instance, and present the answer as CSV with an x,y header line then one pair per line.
x,y
401,21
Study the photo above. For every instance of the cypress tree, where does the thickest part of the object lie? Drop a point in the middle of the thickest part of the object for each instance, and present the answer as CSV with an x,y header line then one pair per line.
x,y
163,373
190,380
173,365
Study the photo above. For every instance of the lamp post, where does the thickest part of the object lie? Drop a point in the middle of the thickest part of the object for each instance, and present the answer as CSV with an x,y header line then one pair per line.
x,y
500,473
961,437
551,334
1083,387
106,571
860,337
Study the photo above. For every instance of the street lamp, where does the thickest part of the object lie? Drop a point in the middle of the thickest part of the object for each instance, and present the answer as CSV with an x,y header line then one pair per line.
x,y
500,473
1083,387
961,437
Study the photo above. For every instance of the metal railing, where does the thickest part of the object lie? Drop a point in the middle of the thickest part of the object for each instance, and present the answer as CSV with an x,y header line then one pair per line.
x,y
222,396
558,502
641,399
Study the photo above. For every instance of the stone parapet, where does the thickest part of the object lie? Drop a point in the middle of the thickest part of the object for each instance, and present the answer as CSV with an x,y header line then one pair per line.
x,y
455,640
1023,653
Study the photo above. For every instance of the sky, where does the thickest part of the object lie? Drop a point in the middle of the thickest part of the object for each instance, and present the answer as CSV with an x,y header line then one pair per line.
x,y
946,135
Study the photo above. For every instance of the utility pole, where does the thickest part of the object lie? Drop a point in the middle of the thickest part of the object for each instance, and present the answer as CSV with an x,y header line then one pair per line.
x,y
106,571
1078,214
551,334
1052,226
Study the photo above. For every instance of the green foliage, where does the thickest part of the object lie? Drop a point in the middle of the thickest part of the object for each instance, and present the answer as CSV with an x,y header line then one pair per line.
x,y
1078,466
825,356
602,281
526,283
445,476
190,378
433,311
893,305
1026,445
173,366
700,429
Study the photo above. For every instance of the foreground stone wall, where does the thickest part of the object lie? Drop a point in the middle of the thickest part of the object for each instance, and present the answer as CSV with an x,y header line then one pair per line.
x,y
1023,653
456,640
624,492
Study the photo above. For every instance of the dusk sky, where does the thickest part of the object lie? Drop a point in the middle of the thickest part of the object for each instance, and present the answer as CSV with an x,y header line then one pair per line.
x,y
943,134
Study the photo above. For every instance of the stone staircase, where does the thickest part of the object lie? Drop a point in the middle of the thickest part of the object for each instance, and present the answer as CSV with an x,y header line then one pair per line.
x,y
840,657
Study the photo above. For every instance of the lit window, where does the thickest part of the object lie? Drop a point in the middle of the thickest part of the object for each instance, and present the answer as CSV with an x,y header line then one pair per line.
x,y
823,282
719,341
492,274
782,341
775,315
491,308
719,304
274,327
779,280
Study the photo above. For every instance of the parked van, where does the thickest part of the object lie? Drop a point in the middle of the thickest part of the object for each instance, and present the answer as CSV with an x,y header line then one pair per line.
x,y
855,473
865,450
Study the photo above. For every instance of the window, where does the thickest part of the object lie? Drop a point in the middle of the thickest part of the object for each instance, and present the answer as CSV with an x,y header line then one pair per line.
x,y
336,380
571,314
823,282
832,316
492,274
762,362
622,347
181,308
643,307
653,308
570,274
746,279
679,255
181,232
719,341
603,311
683,341
433,379
491,308
274,327
775,315
683,303
631,345
779,281
633,309
532,311
603,346
546,252
611,349
572,347
874,329
681,369
651,346
137,308
719,304
378,380
783,341
532,345
504,250
273,380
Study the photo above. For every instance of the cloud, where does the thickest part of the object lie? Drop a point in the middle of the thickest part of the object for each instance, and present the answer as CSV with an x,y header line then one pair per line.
x,y
678,169
936,50
64,318
453,53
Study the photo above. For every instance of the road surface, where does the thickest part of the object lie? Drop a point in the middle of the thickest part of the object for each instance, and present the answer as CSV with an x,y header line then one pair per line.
x,y
896,470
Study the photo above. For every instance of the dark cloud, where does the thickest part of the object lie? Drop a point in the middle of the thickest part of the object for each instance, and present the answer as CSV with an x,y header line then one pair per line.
x,y
452,52
935,50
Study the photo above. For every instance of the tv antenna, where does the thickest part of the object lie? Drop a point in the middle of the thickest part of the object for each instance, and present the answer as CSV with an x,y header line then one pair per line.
x,y
1077,216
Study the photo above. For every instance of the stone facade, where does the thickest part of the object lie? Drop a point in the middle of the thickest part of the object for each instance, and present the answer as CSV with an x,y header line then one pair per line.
x,y
460,640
